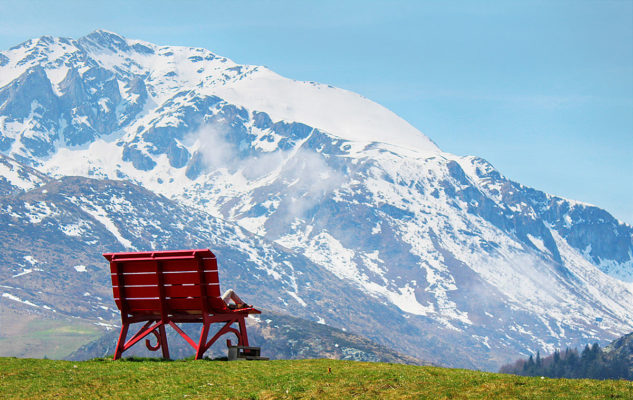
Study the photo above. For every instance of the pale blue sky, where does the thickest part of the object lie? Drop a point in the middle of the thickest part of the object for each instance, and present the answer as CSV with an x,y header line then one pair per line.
x,y
541,89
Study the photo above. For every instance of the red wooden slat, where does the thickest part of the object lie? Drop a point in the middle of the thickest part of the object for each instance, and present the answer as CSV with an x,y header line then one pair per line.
x,y
170,278
145,259
179,265
216,305
206,253
132,292
171,265
143,305
188,291
210,263
170,291
137,311
136,279
211,276
184,304
213,289
182,277
190,277
182,291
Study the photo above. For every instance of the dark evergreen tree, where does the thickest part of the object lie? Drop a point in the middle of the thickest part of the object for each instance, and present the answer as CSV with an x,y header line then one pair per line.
x,y
592,362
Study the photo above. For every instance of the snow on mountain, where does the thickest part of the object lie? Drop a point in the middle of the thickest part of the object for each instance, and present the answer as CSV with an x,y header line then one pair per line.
x,y
88,217
16,177
53,237
168,69
451,244
339,112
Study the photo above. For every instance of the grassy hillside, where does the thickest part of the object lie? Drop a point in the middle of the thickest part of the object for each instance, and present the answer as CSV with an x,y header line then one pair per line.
x,y
36,335
39,379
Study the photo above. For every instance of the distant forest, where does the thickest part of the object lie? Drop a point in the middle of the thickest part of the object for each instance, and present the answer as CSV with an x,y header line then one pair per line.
x,y
591,363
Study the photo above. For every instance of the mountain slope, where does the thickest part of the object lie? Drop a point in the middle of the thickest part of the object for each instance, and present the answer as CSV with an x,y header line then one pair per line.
x,y
53,237
16,177
58,231
456,254
622,348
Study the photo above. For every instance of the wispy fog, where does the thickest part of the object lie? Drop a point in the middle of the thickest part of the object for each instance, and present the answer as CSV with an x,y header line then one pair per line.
x,y
210,141
308,178
301,177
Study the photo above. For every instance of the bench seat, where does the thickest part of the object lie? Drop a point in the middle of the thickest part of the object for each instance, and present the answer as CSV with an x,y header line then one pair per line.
x,y
163,288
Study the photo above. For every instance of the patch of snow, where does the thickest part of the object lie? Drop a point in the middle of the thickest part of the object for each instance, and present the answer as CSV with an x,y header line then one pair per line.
x,y
11,174
255,225
620,270
31,260
103,102
24,272
38,211
296,297
15,298
405,299
538,243
98,213
74,230
376,229
106,325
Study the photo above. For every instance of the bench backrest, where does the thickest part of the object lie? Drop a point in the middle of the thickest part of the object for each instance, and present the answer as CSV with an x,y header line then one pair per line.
x,y
166,282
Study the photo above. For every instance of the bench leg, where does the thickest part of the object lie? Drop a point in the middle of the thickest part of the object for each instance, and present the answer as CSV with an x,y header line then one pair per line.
x,y
203,338
243,334
163,342
121,342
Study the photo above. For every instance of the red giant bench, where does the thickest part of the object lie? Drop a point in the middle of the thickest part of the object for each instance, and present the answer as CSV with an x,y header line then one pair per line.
x,y
169,287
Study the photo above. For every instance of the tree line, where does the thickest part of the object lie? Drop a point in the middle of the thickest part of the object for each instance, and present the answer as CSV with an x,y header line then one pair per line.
x,y
591,363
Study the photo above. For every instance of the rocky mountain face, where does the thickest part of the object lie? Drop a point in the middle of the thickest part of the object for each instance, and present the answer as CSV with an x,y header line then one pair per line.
x,y
622,348
54,235
329,206
16,177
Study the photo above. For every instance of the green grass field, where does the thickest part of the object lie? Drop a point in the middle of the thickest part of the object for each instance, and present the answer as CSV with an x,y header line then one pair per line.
x,y
296,379
34,336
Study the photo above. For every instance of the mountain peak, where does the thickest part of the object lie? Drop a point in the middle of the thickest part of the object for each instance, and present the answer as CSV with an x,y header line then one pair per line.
x,y
338,112
102,39
104,35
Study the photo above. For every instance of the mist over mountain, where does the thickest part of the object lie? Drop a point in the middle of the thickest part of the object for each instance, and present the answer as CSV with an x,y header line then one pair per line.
x,y
324,204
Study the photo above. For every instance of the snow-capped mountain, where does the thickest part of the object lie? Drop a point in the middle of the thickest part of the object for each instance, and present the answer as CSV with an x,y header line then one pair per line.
x,y
451,247
54,235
